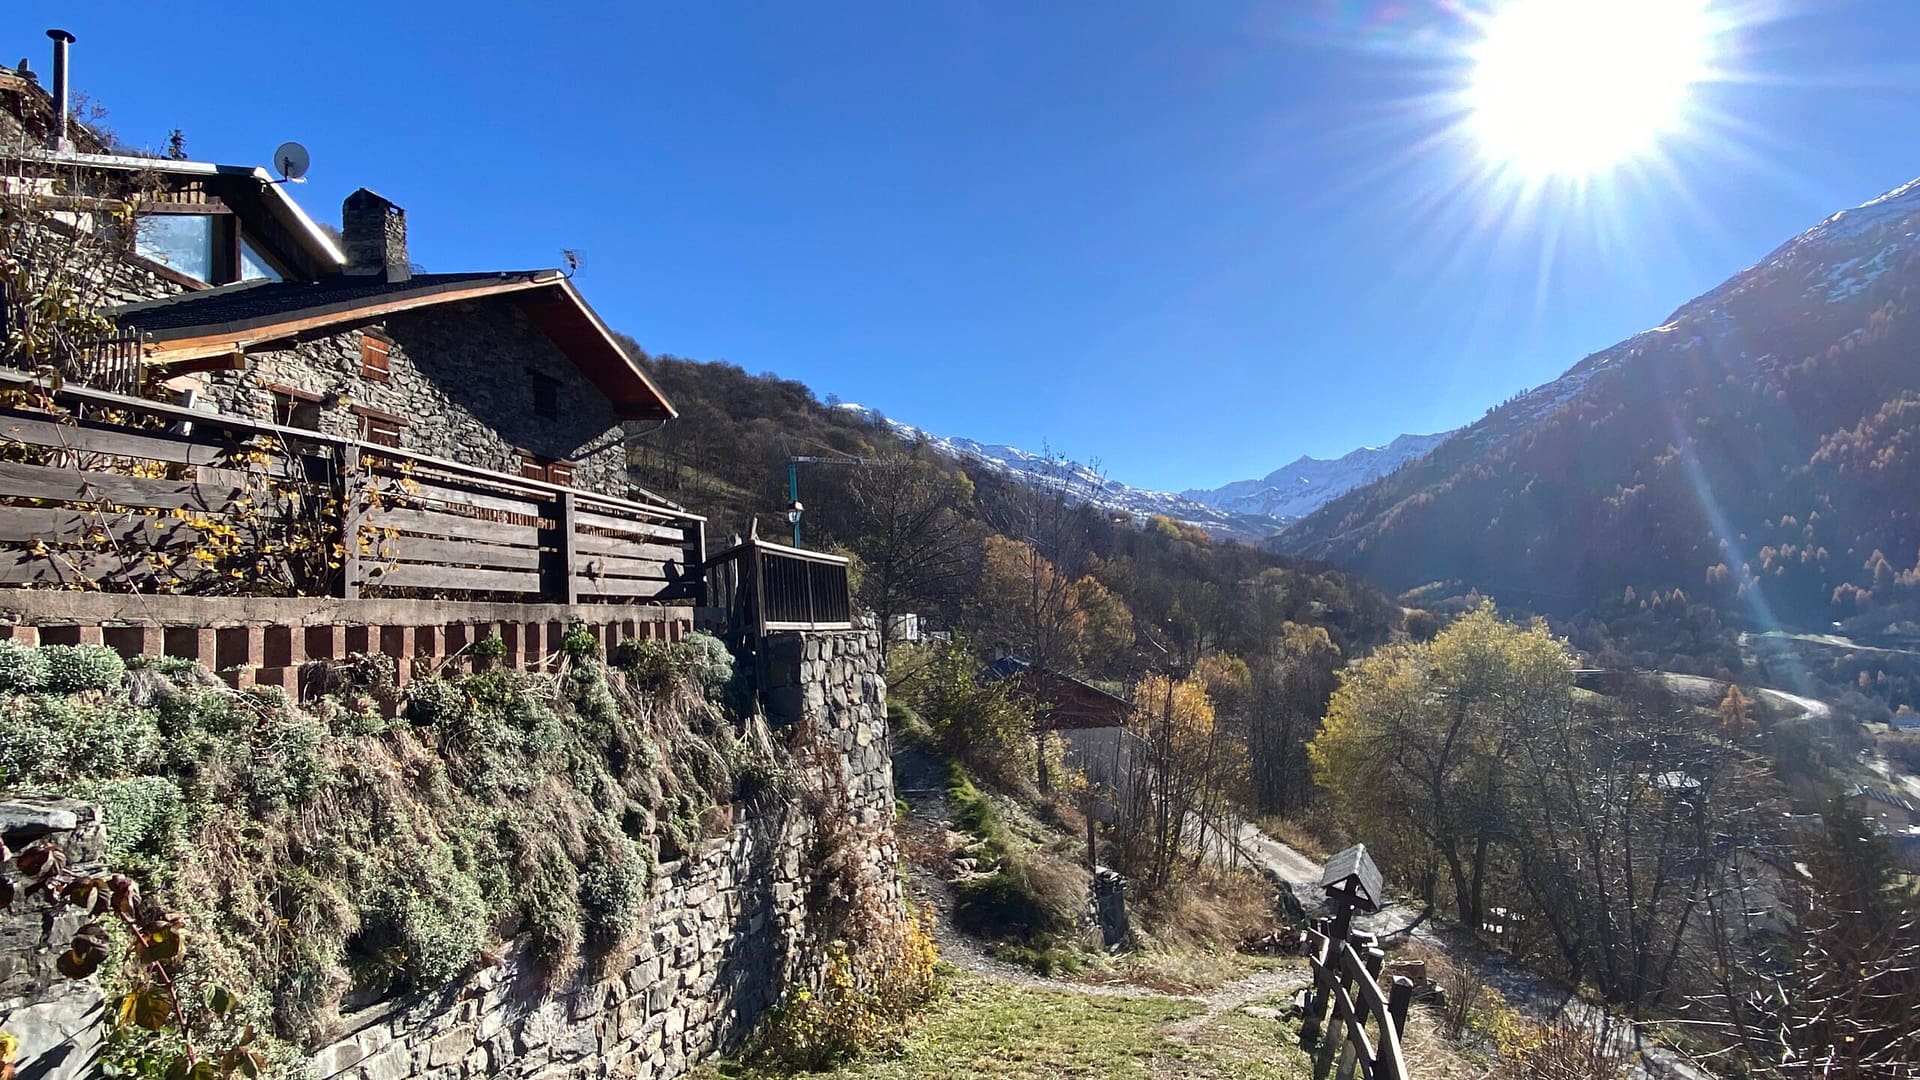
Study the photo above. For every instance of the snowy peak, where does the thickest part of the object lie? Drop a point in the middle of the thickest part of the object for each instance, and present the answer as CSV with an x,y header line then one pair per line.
x,y
1298,489
1083,482
1245,510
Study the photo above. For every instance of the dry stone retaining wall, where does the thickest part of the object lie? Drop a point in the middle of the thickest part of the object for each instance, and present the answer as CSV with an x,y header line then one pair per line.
x,y
726,928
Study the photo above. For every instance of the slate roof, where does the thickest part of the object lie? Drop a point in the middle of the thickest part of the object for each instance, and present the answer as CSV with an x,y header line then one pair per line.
x,y
1354,862
1881,795
248,304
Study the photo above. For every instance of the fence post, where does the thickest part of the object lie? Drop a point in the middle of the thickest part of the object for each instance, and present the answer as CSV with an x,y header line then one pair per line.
x,y
697,531
563,588
349,481
1398,1001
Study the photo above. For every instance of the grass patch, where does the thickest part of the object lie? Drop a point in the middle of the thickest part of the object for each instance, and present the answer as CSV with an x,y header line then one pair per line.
x,y
982,1028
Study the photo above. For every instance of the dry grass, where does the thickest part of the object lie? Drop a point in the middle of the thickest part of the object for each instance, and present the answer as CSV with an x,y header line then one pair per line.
x,y
1313,833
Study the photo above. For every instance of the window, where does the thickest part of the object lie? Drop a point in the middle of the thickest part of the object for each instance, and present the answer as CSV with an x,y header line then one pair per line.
x,y
379,428
546,395
551,470
254,266
295,408
373,358
184,242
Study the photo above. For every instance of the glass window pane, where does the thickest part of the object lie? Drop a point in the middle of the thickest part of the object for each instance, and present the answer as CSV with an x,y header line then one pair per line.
x,y
253,267
181,241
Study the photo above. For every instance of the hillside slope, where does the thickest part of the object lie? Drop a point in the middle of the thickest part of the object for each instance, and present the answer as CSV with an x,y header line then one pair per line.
x,y
1756,452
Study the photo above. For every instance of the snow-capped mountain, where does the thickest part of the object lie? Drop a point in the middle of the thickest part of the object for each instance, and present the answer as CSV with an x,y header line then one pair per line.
x,y
1250,510
1296,490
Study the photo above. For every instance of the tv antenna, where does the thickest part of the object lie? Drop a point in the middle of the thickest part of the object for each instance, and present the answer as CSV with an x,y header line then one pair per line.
x,y
291,159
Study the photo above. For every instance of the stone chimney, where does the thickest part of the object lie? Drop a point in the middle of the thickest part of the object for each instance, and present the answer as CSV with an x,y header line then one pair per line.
x,y
375,232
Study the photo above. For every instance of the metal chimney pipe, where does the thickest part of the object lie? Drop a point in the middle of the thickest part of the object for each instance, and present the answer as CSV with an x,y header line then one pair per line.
x,y
62,104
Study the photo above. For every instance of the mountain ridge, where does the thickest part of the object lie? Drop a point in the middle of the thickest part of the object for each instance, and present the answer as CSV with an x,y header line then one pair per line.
x,y
1236,510
1756,455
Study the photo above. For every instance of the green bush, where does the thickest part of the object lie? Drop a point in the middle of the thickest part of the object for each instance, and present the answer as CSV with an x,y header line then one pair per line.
x,y
434,702
433,924
579,644
651,666
23,669
145,816
72,669
709,663
48,739
613,888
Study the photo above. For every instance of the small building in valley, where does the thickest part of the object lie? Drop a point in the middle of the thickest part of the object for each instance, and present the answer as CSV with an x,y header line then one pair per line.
x,y
1091,722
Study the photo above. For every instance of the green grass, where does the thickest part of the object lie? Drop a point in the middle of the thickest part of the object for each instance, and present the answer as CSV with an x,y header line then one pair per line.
x,y
980,1028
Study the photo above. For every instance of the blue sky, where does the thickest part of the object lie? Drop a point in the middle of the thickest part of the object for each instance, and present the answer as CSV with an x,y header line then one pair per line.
x,y
1191,241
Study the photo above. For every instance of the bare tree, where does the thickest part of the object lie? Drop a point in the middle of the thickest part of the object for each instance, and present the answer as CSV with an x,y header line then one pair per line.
x,y
916,546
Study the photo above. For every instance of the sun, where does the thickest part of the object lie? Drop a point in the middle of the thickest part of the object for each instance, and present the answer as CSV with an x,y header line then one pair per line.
x,y
1571,88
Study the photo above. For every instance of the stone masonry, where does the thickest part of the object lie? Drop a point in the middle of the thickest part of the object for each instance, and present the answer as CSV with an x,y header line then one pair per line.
x,y
461,376
59,1022
725,930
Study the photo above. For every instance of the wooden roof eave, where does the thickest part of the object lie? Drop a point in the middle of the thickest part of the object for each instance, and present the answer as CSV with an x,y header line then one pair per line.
x,y
235,337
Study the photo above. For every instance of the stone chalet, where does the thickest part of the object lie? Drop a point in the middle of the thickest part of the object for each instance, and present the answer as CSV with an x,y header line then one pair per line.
x,y
243,305
503,370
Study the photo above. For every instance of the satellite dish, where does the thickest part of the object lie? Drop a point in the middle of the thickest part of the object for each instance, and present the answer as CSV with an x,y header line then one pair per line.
x,y
292,161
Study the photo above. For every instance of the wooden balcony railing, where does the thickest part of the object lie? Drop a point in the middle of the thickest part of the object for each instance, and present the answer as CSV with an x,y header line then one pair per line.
x,y
764,587
108,492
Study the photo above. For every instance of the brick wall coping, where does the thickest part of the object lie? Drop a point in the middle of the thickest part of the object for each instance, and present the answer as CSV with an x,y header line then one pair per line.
x,y
32,607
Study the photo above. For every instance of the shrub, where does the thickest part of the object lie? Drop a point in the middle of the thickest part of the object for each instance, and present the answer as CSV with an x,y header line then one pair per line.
x,y
709,663
48,739
433,925
434,702
72,669
23,669
865,998
489,649
613,887
651,666
578,644
145,816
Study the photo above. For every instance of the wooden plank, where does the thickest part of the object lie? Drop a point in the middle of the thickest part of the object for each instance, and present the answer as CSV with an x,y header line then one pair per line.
x,y
36,431
454,494
56,525
212,492
65,568
425,549
565,583
433,523
633,588
447,578
670,533
589,544
614,566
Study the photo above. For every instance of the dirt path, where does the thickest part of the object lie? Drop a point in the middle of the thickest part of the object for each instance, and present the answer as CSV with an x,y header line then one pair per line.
x,y
927,839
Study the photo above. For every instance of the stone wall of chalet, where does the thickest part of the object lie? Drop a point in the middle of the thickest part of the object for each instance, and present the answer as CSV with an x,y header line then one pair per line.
x,y
461,377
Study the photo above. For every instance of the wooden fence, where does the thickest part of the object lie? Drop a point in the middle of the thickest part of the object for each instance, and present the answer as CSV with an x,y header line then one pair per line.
x,y
764,587
108,492
1350,985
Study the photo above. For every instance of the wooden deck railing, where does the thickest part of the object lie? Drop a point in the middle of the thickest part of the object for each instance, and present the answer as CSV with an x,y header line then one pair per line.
x,y
1350,985
105,491
764,587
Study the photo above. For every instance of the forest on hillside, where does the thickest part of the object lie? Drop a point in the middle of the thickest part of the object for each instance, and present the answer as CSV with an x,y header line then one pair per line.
x,y
1015,567
1752,465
